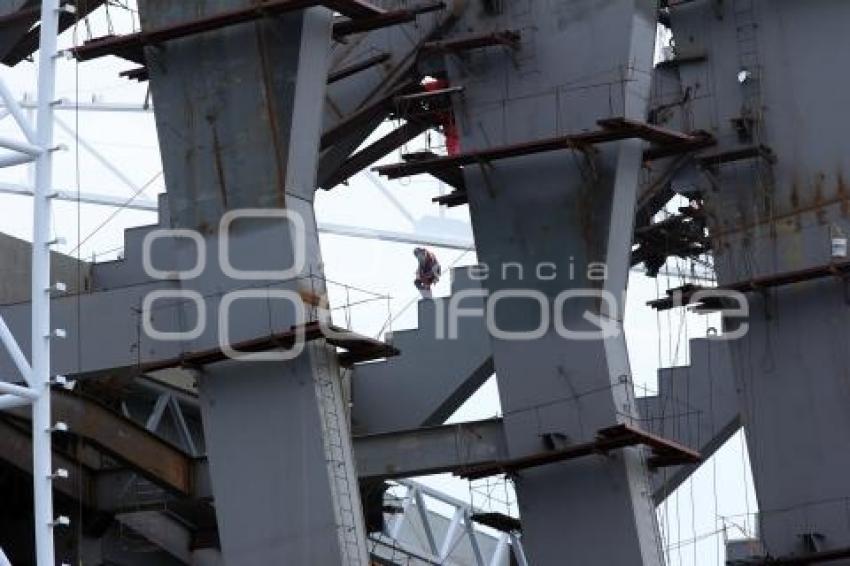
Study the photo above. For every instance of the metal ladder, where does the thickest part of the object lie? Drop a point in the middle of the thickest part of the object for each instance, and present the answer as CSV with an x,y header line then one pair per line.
x,y
746,35
329,396
752,107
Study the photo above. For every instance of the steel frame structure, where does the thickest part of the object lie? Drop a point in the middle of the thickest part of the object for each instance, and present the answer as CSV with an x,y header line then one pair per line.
x,y
38,148
39,151
462,526
100,198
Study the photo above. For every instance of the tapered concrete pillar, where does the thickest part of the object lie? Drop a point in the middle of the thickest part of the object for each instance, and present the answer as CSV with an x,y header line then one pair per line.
x,y
774,217
557,222
239,118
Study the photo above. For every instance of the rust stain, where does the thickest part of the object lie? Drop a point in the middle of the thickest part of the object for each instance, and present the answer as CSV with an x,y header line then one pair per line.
x,y
842,194
793,215
795,194
219,165
820,179
820,213
190,157
268,91
311,298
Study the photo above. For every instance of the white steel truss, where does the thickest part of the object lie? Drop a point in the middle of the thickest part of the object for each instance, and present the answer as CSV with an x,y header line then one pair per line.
x,y
37,147
442,545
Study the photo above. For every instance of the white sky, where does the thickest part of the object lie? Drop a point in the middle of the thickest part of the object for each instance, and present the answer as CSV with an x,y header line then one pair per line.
x,y
722,487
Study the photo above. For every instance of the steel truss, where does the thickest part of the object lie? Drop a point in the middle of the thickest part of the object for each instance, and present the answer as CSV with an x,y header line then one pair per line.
x,y
37,147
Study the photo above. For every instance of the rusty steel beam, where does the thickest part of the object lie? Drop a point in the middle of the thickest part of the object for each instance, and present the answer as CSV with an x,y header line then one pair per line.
x,y
383,456
683,296
16,449
350,27
507,38
127,441
612,130
130,46
665,452
377,110
369,155
738,154
654,197
649,132
355,68
363,17
452,177
29,15
360,348
498,521
354,8
391,18
699,141
141,73
28,44
454,198
822,557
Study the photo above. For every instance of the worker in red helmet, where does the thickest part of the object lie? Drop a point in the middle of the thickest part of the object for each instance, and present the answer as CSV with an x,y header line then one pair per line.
x,y
427,273
445,119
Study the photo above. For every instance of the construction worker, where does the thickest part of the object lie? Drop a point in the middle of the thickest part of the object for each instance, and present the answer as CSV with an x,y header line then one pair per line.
x,y
428,273
445,118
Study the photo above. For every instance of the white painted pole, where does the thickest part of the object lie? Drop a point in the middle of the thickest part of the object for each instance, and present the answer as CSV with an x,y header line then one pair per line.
x,y
15,110
500,555
17,390
41,332
20,146
14,158
518,550
13,402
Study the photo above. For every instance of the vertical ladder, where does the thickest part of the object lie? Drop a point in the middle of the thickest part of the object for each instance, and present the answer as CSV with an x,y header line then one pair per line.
x,y
746,35
752,106
337,454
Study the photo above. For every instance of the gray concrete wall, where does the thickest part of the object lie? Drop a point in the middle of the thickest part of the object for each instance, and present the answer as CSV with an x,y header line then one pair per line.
x,y
578,62
16,270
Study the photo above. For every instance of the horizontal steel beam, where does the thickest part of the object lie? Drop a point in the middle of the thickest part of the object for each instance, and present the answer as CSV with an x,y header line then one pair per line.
x,y
375,151
683,296
130,46
377,110
73,106
427,451
122,438
390,18
16,449
29,42
411,238
612,130
507,38
358,348
363,16
99,199
384,456
664,453
355,68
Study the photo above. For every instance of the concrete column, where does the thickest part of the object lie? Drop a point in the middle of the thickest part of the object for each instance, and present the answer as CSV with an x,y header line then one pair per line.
x,y
556,222
774,218
239,115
